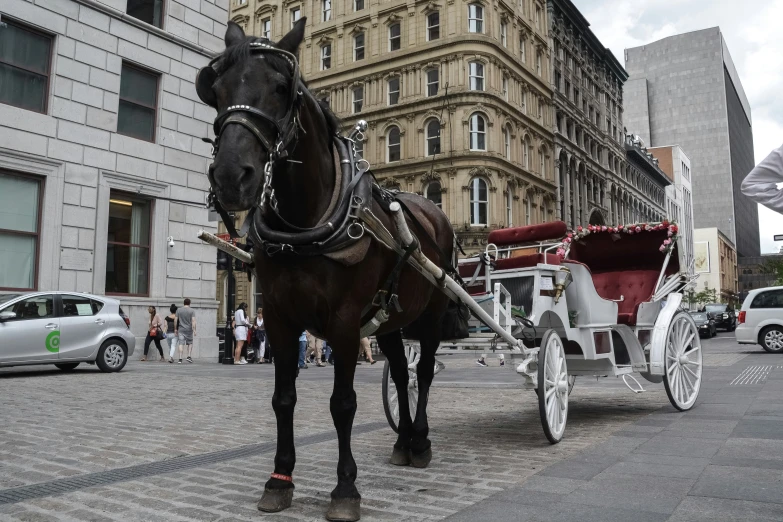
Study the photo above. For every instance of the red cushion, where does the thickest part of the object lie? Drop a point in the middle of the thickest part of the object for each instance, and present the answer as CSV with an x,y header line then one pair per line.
x,y
526,261
635,286
529,234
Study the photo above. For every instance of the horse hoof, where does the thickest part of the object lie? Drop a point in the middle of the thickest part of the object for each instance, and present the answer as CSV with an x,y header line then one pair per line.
x,y
421,460
400,457
344,510
274,500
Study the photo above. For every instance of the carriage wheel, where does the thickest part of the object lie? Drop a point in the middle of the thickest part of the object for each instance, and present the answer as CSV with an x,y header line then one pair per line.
x,y
571,382
683,362
391,403
553,386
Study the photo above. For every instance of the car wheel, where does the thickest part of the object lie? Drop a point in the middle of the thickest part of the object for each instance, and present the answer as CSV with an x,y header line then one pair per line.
x,y
771,339
67,367
112,356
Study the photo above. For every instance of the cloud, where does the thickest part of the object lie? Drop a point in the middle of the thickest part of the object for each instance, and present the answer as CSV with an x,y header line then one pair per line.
x,y
753,38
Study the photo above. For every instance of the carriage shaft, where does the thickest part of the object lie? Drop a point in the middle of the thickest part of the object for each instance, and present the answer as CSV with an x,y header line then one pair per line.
x,y
225,246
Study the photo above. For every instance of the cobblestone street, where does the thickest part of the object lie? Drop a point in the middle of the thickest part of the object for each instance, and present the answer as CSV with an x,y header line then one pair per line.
x,y
196,442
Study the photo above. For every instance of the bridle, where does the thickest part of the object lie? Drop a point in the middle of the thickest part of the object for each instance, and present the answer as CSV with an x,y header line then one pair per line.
x,y
287,129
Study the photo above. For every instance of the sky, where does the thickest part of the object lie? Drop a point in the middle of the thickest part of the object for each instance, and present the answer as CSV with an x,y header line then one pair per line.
x,y
752,30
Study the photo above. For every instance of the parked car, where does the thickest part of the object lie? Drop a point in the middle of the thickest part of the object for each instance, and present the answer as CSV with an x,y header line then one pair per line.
x,y
761,319
723,314
705,324
64,329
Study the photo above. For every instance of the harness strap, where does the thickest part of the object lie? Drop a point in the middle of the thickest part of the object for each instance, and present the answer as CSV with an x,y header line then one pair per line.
x,y
279,476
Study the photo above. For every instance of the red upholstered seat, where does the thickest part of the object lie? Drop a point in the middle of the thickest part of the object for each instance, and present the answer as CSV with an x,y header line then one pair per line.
x,y
635,286
527,261
529,234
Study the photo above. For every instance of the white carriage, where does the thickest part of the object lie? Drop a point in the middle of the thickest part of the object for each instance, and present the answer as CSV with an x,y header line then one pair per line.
x,y
600,301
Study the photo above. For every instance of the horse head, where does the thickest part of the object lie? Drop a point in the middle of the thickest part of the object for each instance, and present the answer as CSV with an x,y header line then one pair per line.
x,y
254,86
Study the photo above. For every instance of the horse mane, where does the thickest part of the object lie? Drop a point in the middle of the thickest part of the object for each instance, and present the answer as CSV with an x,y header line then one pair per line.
x,y
241,51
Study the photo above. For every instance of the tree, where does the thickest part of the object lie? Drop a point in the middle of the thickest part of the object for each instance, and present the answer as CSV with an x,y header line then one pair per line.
x,y
774,267
708,295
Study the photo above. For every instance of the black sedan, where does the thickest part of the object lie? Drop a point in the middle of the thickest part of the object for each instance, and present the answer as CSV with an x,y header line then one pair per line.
x,y
724,315
705,324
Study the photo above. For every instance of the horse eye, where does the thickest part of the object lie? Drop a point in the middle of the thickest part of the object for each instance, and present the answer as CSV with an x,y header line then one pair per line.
x,y
282,89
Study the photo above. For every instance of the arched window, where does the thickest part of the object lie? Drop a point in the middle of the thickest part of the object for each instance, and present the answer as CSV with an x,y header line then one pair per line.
x,y
478,202
393,145
432,132
475,18
434,193
478,132
507,142
476,74
528,209
509,207
526,152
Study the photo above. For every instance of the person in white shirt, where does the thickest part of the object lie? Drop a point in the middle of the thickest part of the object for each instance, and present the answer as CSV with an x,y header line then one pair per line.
x,y
240,332
761,185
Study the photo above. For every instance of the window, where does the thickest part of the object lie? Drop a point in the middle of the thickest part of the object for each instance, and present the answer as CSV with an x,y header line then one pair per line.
x,y
538,17
296,14
36,307
478,132
326,10
358,47
542,163
568,89
434,193
570,62
528,209
509,208
150,11
557,80
266,28
504,88
432,82
478,202
138,103
358,99
25,57
526,152
523,98
393,145
475,18
769,299
540,108
358,5
326,57
503,33
77,305
507,142
128,245
433,137
20,208
394,91
395,41
476,73
522,53
576,96
538,63
241,2
433,26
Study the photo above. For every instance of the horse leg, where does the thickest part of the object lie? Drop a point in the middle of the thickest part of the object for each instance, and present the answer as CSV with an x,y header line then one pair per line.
x,y
392,347
346,500
279,489
421,450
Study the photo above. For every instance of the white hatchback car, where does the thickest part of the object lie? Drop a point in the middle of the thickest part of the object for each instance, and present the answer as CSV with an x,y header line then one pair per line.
x,y
760,320
64,329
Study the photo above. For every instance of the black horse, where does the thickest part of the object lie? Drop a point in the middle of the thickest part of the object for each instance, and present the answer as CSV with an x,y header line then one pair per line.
x,y
279,123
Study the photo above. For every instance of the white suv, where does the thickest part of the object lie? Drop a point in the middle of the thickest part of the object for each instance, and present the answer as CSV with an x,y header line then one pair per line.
x,y
760,320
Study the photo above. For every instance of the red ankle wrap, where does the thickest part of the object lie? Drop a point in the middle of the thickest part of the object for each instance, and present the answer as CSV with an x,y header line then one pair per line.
x,y
278,476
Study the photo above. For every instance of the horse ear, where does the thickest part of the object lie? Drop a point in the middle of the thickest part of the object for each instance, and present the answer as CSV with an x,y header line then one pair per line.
x,y
204,80
293,39
234,34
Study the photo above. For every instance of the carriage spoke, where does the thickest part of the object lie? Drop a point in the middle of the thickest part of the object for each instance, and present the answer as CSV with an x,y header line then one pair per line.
x,y
550,392
691,371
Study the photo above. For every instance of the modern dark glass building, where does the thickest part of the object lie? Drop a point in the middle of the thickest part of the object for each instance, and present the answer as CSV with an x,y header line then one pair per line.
x,y
684,89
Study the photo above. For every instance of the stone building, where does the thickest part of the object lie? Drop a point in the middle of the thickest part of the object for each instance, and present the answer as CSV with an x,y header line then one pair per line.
x,y
102,167
457,96
716,264
685,89
643,198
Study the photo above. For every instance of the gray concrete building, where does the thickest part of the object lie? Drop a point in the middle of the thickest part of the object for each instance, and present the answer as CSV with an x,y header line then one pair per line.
x,y
684,89
102,167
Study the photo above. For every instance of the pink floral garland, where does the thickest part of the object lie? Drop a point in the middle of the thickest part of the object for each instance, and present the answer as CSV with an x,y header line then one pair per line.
x,y
581,232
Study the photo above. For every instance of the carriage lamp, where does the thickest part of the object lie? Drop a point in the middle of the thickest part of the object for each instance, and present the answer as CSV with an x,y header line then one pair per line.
x,y
563,278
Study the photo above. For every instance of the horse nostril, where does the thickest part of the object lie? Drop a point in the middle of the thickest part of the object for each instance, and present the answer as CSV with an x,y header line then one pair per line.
x,y
248,172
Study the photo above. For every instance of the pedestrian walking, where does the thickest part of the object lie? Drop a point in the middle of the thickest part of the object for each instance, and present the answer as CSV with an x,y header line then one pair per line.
x,y
154,333
171,337
259,336
302,350
328,353
364,346
240,332
314,346
185,329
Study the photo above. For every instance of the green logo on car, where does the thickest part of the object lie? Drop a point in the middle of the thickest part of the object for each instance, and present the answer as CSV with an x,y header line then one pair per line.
x,y
53,341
